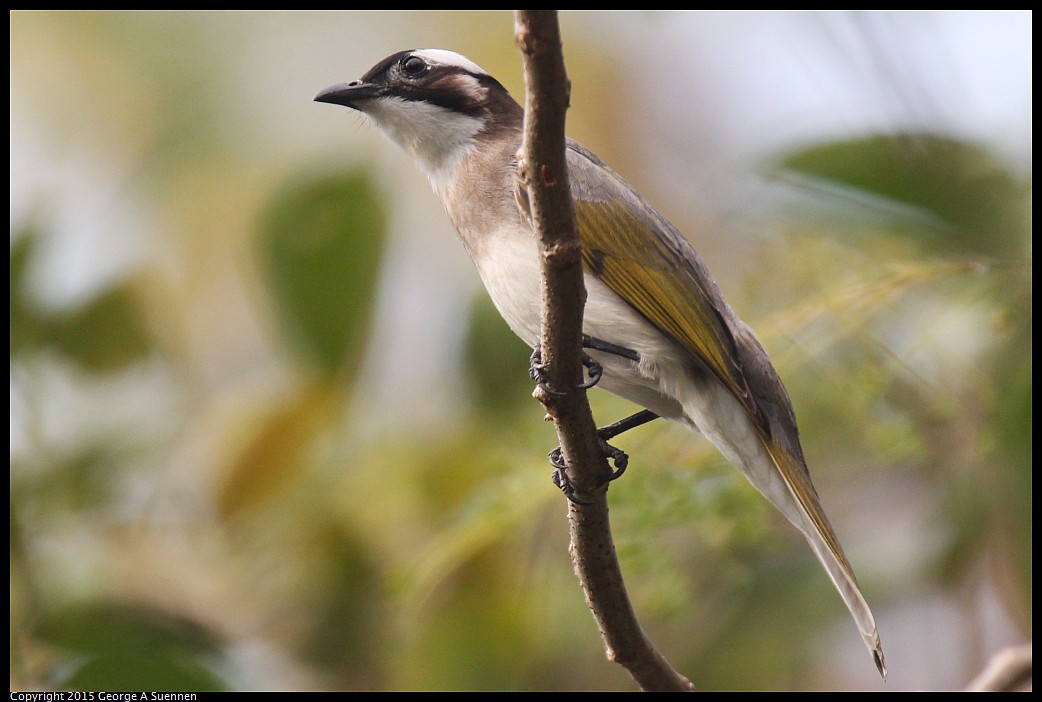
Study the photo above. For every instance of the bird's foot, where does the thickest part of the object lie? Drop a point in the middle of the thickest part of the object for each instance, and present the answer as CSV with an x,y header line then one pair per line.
x,y
537,371
618,457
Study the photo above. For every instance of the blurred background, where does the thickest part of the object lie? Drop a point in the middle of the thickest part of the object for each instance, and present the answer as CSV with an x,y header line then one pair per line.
x,y
268,433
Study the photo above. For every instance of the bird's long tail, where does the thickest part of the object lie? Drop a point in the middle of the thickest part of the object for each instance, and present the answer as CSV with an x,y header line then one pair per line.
x,y
809,517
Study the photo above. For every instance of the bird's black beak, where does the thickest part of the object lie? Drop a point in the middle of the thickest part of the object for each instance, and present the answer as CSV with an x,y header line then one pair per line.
x,y
348,94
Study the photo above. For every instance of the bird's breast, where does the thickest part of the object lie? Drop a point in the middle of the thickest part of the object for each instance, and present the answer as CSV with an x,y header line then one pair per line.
x,y
507,259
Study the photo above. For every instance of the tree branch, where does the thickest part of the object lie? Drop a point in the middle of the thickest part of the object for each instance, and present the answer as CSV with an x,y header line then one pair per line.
x,y
543,171
1009,670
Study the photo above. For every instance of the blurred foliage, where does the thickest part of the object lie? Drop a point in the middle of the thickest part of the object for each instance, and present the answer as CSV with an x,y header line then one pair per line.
x,y
104,334
122,648
974,204
322,244
495,355
215,485
275,453
968,219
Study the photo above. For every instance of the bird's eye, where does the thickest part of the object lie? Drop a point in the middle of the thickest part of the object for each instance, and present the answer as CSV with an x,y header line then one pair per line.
x,y
413,66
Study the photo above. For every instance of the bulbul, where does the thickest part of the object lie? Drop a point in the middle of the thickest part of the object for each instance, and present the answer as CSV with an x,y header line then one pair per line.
x,y
657,323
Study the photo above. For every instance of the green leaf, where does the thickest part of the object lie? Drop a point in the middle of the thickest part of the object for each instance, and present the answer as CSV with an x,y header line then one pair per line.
x,y
112,646
347,598
134,672
25,322
105,334
497,360
276,450
322,242
974,202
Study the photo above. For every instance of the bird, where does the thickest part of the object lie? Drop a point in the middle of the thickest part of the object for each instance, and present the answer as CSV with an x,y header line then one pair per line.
x,y
656,325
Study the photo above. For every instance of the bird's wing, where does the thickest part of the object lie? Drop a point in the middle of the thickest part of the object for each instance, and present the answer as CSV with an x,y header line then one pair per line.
x,y
647,262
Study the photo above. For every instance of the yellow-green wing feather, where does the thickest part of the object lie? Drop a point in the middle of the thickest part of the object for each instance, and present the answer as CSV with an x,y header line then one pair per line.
x,y
644,260
620,250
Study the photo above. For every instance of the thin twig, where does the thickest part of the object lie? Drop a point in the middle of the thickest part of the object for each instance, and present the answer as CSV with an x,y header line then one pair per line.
x,y
1009,670
544,173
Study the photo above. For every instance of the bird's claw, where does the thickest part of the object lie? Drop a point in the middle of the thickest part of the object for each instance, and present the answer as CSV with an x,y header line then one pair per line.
x,y
561,481
536,370
619,458
594,369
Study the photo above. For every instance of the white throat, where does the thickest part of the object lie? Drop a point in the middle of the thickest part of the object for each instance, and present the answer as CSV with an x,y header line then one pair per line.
x,y
436,137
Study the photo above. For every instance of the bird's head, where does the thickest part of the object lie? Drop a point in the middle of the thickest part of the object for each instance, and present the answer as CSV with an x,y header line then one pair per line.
x,y
435,104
